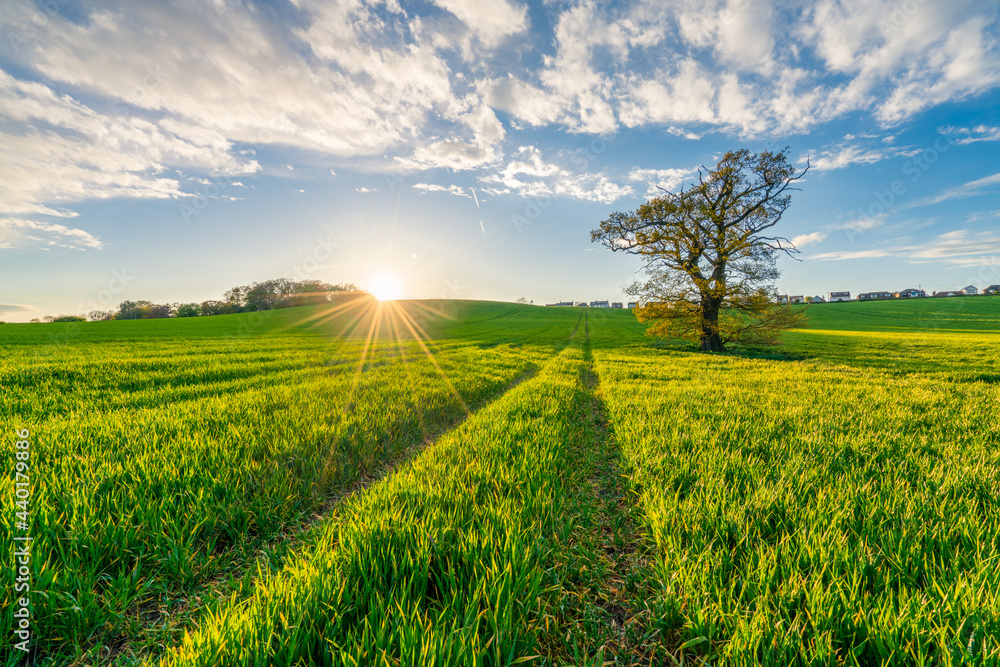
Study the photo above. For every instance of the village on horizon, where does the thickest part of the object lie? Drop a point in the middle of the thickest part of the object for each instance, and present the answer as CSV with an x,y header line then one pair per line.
x,y
832,297
910,293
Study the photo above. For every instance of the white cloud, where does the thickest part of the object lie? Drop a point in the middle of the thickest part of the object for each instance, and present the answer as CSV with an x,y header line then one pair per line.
x,y
668,179
865,148
229,72
524,101
808,239
199,87
844,156
960,247
19,233
852,254
454,190
57,150
457,152
971,135
365,189
529,175
863,224
491,22
980,186
957,246
739,32
901,57
686,96
582,91
496,192
591,187
963,63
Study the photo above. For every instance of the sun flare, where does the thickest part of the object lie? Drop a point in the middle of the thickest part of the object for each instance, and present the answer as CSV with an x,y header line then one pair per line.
x,y
384,287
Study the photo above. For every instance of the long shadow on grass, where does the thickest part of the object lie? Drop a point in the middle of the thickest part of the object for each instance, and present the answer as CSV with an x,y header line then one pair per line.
x,y
607,622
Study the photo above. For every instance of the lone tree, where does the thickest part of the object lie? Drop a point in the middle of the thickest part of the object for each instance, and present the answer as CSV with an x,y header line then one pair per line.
x,y
708,254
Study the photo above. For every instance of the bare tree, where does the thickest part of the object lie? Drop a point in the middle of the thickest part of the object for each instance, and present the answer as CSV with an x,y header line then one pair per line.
x,y
709,254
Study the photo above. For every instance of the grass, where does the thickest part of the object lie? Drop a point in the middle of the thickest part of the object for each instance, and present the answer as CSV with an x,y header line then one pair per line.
x,y
967,313
813,512
454,482
163,464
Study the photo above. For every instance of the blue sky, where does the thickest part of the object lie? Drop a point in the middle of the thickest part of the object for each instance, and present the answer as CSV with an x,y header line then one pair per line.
x,y
171,150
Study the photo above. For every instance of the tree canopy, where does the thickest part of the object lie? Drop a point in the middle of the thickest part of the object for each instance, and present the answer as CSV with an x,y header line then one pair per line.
x,y
709,254
266,295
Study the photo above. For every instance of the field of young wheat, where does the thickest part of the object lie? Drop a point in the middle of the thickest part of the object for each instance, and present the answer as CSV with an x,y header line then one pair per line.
x,y
472,483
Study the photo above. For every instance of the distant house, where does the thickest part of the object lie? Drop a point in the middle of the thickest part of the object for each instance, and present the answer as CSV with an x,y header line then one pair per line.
x,y
599,304
950,293
992,289
871,296
971,289
817,299
633,304
782,298
910,293
616,304
798,298
840,296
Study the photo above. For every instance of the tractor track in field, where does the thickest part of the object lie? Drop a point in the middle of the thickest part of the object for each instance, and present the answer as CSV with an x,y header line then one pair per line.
x,y
623,559
273,554
576,327
390,465
622,555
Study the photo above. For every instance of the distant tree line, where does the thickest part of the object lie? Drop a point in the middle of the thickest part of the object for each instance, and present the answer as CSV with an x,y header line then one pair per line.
x,y
266,295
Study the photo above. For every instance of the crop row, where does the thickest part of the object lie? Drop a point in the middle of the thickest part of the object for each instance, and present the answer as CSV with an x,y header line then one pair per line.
x,y
812,513
450,561
159,467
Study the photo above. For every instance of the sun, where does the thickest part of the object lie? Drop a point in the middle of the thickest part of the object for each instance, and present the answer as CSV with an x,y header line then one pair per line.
x,y
384,287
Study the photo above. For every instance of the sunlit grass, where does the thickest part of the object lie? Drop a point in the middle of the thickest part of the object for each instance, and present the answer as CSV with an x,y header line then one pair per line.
x,y
833,502
164,463
840,509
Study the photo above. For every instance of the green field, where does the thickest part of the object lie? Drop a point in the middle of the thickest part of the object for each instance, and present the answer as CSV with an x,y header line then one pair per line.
x,y
476,483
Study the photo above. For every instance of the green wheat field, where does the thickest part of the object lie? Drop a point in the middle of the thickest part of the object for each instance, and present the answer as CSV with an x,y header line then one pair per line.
x,y
477,483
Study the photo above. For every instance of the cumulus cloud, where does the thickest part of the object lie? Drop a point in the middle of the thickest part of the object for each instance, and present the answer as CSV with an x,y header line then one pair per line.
x,y
523,101
491,22
130,96
58,150
668,179
529,175
457,152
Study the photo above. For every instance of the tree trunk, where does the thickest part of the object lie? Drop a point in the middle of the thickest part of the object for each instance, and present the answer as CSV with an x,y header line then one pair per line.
x,y
711,342
710,339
